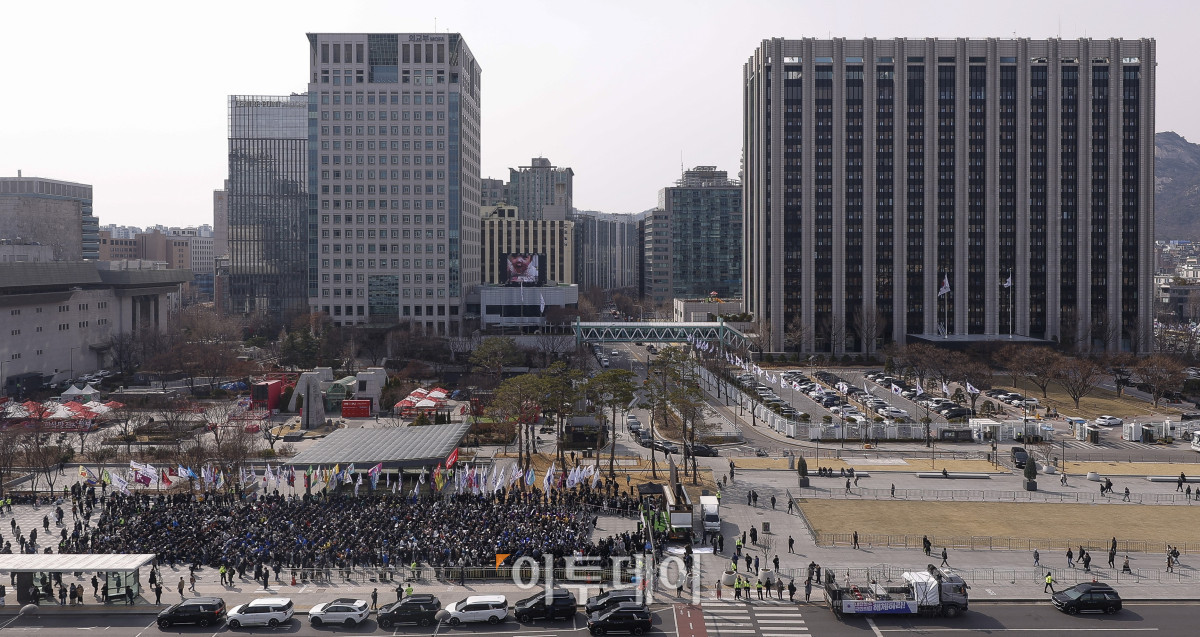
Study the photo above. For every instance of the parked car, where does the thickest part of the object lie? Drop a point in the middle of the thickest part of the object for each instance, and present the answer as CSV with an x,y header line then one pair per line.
x,y
343,610
559,604
627,617
1019,457
492,609
418,609
201,611
1109,421
264,611
666,446
1089,597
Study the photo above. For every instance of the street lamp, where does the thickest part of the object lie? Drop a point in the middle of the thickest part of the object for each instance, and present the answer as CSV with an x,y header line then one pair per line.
x,y
72,361
640,312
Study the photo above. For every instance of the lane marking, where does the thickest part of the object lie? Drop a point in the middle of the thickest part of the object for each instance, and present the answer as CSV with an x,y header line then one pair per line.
x,y
880,631
874,628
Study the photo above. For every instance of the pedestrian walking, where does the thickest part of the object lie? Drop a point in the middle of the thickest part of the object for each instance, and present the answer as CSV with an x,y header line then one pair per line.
x,y
779,588
1087,562
158,594
192,582
721,544
737,588
1037,558
1112,558
180,587
791,544
807,590
773,499
749,499
1188,491
374,599
1126,498
856,539
926,544
1170,564
945,557
759,586
790,505
893,489
129,596
755,565
847,485
718,588
1178,486
1070,557
754,494
776,563
791,590
1063,479
1049,583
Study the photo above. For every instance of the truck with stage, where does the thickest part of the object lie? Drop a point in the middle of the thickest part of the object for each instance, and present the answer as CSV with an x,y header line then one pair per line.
x,y
934,591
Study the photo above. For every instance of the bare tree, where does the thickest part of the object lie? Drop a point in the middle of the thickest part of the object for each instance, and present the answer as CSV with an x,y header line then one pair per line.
x,y
760,335
797,334
10,452
1163,374
869,324
1078,377
551,346
460,345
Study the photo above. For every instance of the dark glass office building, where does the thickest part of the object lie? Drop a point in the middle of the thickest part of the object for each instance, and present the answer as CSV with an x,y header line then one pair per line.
x,y
1016,174
268,205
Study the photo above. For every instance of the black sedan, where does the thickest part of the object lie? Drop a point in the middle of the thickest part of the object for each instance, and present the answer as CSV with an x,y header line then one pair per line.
x,y
666,446
704,451
1089,597
414,609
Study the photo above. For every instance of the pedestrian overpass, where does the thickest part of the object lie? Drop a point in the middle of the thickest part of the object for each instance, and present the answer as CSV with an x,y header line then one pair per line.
x,y
660,332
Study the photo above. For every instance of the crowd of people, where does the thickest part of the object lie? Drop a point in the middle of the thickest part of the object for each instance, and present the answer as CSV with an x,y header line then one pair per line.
x,y
336,530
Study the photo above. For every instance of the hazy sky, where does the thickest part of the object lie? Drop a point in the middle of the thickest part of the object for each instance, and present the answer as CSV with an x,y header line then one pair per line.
x,y
131,97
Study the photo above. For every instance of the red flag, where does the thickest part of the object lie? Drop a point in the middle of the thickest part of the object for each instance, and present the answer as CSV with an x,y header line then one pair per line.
x,y
452,459
165,477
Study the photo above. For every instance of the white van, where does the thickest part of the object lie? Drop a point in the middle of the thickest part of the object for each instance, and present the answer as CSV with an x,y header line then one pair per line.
x,y
265,611
492,609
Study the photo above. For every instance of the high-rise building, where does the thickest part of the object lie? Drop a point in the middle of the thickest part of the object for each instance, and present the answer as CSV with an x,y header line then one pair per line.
x,y
268,207
894,189
506,232
221,221
607,251
492,192
394,137
541,190
51,212
693,240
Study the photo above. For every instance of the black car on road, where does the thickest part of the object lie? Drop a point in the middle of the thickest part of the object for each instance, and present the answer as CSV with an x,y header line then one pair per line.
x,y
628,617
609,599
558,604
201,611
1089,597
414,609
1019,457
665,446
704,451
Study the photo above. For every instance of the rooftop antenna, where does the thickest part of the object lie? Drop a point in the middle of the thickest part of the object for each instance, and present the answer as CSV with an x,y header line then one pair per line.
x,y
681,170
435,24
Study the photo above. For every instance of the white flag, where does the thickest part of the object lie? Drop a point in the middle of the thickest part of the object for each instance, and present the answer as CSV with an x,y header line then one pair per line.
x,y
971,389
919,389
1008,282
543,297
945,289
945,389
896,389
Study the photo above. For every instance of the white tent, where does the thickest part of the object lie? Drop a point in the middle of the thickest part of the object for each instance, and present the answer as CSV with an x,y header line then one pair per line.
x,y
97,407
426,404
89,390
73,391
437,394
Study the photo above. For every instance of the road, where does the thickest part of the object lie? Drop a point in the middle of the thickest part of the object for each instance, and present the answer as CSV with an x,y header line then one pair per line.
x,y
1032,618
117,625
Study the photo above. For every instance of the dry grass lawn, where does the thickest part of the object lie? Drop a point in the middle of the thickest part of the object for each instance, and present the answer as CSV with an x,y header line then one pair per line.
x,y
1098,403
1133,468
1173,524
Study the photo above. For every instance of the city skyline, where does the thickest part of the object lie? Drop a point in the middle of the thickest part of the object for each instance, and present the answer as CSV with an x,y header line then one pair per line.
x,y
618,97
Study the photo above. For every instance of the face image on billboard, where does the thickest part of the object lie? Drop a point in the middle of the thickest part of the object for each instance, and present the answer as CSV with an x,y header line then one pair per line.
x,y
522,269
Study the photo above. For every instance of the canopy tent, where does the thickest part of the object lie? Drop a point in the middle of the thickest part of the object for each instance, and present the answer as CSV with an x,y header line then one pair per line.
x,y
89,390
72,391
437,394
97,407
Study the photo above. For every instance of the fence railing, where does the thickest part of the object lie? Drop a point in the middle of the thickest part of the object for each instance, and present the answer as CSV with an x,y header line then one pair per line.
x,y
996,543
1036,576
837,491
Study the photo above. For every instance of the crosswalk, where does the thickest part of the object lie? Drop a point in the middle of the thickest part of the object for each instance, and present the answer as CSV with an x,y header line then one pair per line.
x,y
766,618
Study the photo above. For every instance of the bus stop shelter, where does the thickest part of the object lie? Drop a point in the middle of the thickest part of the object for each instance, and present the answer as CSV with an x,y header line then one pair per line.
x,y
34,576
